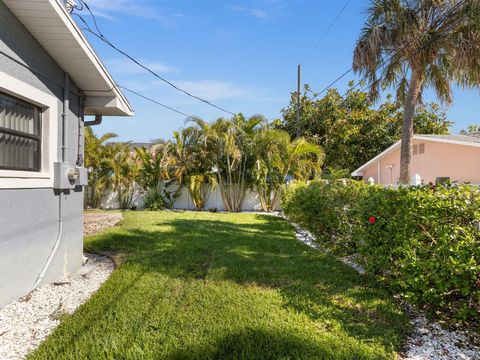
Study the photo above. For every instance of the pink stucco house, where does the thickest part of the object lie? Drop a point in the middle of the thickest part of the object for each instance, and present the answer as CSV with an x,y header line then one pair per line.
x,y
435,157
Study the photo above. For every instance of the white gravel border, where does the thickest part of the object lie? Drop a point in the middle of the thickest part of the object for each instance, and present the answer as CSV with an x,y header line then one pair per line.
x,y
429,340
25,323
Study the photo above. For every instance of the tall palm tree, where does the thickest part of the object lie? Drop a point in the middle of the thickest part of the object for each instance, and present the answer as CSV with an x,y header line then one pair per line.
x,y
230,144
415,44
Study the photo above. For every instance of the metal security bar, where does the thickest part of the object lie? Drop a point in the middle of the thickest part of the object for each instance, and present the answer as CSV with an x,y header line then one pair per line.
x,y
20,135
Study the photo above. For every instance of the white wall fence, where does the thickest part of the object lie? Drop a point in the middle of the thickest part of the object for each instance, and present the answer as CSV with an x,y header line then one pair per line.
x,y
184,202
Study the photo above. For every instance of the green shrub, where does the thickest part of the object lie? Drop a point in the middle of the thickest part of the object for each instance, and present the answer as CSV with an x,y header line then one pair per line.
x,y
327,209
153,200
423,242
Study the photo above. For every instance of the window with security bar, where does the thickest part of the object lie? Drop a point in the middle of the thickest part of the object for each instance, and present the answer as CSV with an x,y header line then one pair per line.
x,y
20,135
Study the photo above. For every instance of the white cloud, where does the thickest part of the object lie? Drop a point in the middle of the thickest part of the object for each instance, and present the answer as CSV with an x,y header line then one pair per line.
x,y
127,67
137,8
212,89
257,13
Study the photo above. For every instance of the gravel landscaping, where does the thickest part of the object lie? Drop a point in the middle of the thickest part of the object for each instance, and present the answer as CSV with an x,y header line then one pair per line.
x,y
25,323
429,340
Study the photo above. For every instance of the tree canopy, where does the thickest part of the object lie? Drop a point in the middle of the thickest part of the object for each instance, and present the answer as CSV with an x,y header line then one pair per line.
x,y
351,130
414,44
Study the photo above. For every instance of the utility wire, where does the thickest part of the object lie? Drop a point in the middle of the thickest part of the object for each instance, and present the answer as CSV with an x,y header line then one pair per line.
x,y
384,60
154,101
103,38
327,30
45,77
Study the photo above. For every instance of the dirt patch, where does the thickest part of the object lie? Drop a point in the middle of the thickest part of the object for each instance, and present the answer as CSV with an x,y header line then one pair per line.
x,y
95,223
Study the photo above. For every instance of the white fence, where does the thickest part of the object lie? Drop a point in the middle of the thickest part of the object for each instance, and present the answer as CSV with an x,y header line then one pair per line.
x,y
184,202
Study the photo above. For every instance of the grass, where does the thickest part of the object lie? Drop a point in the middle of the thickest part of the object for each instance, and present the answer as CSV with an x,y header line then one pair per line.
x,y
218,286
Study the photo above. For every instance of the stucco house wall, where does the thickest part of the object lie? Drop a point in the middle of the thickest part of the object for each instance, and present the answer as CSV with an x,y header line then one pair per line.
x,y
29,216
43,61
441,159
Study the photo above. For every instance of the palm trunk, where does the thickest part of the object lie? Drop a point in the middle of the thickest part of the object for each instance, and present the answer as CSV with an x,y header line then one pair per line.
x,y
407,129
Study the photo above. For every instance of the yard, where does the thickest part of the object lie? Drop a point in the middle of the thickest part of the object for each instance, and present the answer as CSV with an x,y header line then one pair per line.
x,y
214,286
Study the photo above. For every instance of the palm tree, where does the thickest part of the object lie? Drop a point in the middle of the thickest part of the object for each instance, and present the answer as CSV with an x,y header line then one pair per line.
x,y
98,178
153,177
277,158
152,172
414,44
180,157
122,170
472,129
230,143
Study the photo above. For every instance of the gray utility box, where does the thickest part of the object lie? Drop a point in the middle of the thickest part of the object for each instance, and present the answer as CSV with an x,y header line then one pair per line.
x,y
69,176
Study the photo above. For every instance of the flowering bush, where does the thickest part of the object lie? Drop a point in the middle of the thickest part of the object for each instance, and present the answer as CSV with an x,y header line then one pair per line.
x,y
423,242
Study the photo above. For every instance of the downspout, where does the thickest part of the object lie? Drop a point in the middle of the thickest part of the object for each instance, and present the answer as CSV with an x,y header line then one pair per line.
x,y
81,135
97,121
66,106
379,172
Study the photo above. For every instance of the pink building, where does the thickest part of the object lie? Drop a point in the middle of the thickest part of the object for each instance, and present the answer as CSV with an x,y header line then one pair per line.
x,y
435,157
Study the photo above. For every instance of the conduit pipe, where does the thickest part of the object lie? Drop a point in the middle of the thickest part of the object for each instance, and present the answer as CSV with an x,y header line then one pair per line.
x,y
81,134
66,106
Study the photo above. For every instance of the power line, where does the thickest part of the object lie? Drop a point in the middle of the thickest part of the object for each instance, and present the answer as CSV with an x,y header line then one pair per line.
x,y
346,72
103,38
384,60
154,101
332,83
327,30
45,77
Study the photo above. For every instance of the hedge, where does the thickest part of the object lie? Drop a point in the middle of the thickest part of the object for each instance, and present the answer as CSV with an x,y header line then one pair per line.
x,y
422,242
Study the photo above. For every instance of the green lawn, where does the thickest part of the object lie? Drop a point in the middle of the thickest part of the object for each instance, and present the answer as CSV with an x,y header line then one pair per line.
x,y
225,286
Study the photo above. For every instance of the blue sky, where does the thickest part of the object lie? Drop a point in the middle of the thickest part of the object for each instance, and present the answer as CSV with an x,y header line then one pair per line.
x,y
241,55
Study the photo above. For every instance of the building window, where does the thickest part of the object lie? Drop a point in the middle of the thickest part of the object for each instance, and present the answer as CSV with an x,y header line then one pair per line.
x,y
421,148
20,135
415,149
443,180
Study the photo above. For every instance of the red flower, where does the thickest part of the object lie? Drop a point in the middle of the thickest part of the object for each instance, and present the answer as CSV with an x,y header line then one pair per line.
x,y
372,220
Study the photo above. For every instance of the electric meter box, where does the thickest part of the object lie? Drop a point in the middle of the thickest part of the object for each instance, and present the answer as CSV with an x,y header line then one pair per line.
x,y
69,176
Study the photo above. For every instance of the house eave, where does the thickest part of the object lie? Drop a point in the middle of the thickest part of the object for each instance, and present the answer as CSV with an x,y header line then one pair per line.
x,y
359,171
447,141
54,28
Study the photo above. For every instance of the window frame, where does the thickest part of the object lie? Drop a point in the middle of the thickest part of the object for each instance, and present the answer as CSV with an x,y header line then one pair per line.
x,y
38,117
50,149
421,148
